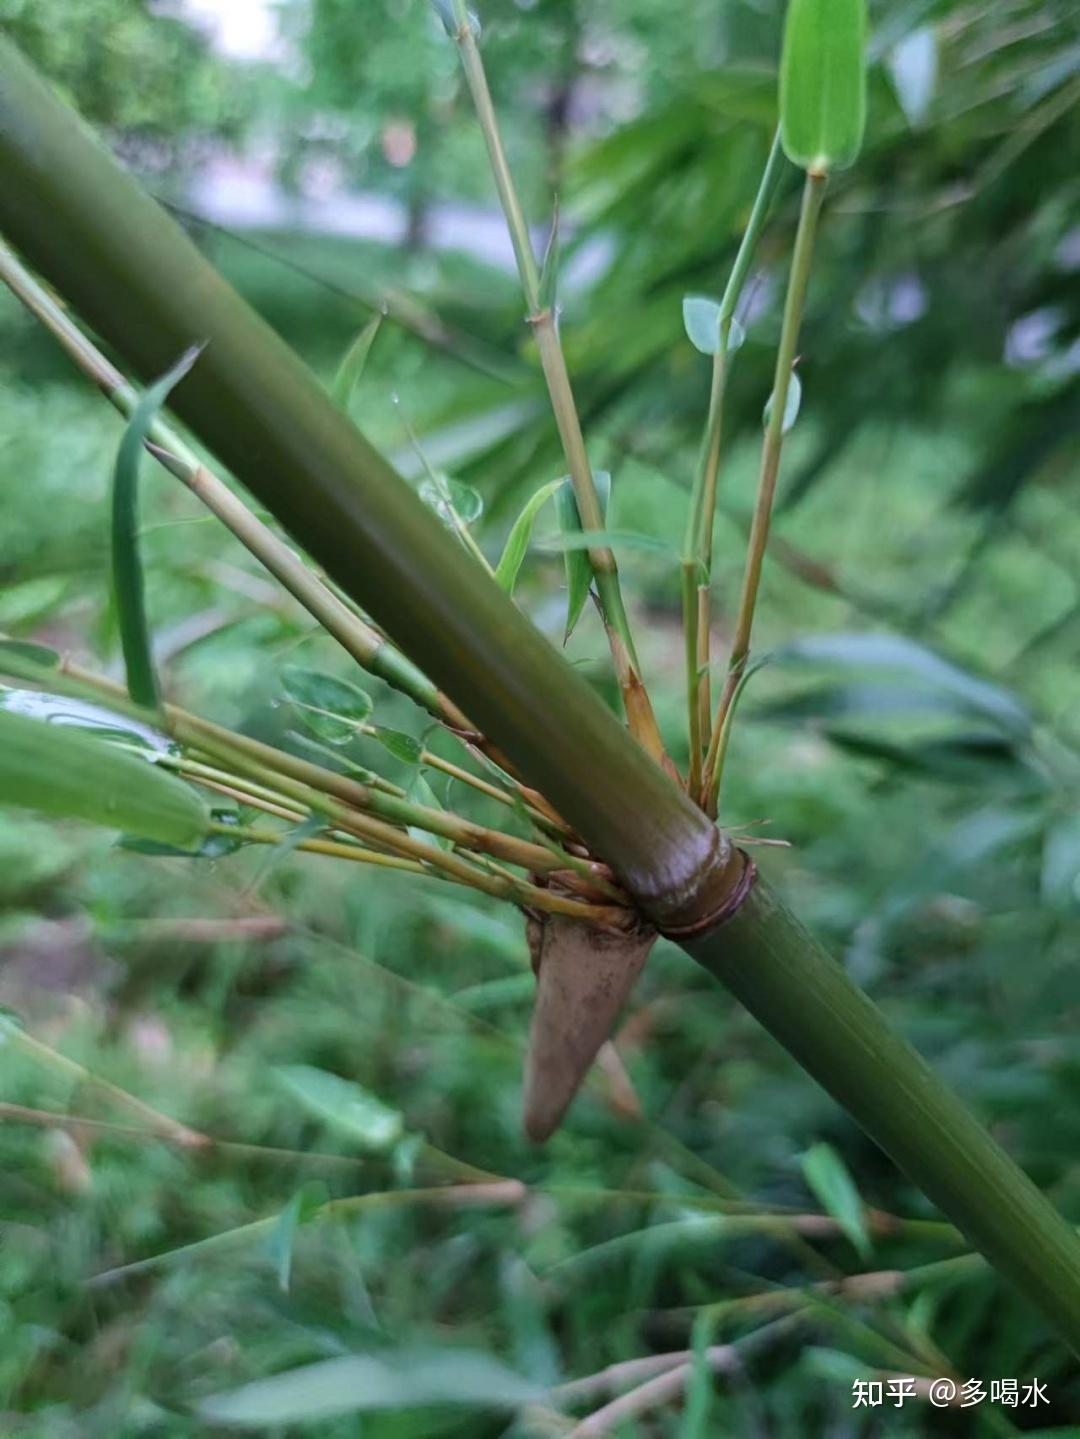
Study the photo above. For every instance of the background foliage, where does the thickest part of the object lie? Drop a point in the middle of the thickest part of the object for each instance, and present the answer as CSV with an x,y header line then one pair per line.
x,y
914,737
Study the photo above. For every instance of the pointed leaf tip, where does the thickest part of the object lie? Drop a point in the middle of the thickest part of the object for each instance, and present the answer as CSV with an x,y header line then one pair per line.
x,y
129,587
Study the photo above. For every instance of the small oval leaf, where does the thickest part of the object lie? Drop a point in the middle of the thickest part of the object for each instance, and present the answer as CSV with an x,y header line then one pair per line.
x,y
450,498
402,746
701,320
823,83
792,404
331,708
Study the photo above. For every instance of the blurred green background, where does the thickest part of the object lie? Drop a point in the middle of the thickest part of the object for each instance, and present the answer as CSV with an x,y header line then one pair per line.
x,y
915,737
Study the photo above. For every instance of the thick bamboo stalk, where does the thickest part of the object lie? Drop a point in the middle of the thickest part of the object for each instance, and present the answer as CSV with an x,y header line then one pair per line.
x,y
136,277
806,1001
115,255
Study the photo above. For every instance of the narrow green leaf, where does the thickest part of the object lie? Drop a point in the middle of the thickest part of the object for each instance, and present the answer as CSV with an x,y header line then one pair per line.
x,y
905,656
307,1200
517,542
421,792
359,1383
289,842
549,272
792,405
331,708
61,771
1061,863
827,1176
578,569
127,573
34,654
823,83
343,1105
613,539
352,365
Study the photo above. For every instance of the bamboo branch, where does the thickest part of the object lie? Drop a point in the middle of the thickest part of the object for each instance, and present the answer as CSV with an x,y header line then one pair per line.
x,y
813,194
142,284
542,317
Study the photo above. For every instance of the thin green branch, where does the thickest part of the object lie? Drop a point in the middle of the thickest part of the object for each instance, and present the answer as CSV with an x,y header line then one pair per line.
x,y
697,548
772,446
543,319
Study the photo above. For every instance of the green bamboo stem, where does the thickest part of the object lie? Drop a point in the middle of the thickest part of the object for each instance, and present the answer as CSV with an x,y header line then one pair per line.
x,y
805,999
772,446
138,280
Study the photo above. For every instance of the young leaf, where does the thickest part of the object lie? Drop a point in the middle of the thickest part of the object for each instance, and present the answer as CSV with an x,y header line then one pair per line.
x,y
823,83
401,746
450,498
343,1105
352,365
421,793
578,567
517,542
331,708
279,1242
827,1176
549,272
127,574
791,405
61,771
358,1383
701,320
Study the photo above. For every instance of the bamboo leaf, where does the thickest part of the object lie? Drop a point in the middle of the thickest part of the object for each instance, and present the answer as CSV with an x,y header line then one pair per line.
x,y
792,405
343,1105
578,568
450,498
360,1383
402,746
613,539
353,363
549,272
517,542
33,654
331,708
828,1177
701,320
61,771
128,584
904,656
307,1200
823,83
